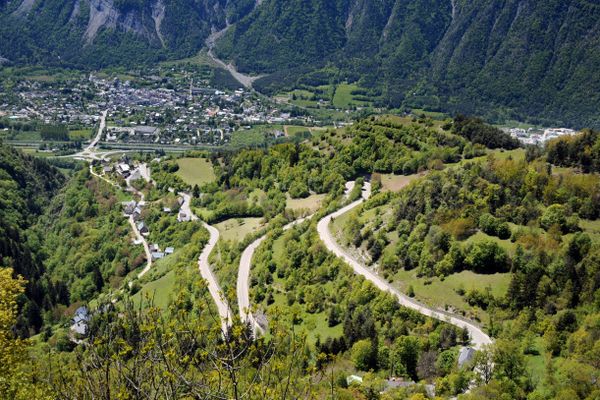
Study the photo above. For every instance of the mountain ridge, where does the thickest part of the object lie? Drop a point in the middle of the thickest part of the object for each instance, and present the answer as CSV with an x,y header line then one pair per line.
x,y
504,60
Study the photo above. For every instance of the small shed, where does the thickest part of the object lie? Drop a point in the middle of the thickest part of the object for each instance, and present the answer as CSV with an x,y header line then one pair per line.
x,y
129,207
465,356
142,227
80,321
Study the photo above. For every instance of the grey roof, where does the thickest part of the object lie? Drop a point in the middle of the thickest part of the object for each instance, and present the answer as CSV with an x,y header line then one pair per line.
x,y
465,356
145,129
79,327
80,320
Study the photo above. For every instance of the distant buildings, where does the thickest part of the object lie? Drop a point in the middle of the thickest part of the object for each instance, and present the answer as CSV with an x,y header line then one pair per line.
x,y
80,321
534,136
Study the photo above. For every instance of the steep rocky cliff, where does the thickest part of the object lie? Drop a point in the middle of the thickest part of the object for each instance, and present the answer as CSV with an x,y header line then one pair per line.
x,y
106,32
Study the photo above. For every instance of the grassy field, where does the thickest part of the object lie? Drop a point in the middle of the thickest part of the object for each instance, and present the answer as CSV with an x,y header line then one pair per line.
x,y
394,183
123,196
506,244
195,171
430,114
438,293
517,154
236,229
249,138
159,282
297,131
303,98
345,99
81,134
311,203
159,290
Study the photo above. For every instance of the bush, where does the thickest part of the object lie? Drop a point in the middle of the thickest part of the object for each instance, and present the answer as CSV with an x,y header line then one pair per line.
x,y
363,355
554,215
486,257
494,226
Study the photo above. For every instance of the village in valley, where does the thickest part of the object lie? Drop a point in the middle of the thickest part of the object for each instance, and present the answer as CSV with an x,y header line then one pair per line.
x,y
539,136
174,108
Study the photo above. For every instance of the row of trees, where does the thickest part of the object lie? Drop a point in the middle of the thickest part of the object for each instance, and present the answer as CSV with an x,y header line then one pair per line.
x,y
581,151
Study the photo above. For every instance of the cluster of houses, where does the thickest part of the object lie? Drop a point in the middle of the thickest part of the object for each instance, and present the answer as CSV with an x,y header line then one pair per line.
x,y
536,136
157,254
148,110
465,357
133,210
61,103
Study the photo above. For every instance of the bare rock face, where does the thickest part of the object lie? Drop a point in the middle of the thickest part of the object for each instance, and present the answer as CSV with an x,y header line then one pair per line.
x,y
145,21
102,14
109,32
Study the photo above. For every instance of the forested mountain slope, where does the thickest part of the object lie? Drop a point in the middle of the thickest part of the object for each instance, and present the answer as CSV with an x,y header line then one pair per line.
x,y
519,57
499,216
69,240
26,185
107,32
502,59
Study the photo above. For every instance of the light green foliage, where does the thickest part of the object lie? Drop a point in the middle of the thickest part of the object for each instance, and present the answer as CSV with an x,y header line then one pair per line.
x,y
362,355
89,244
195,171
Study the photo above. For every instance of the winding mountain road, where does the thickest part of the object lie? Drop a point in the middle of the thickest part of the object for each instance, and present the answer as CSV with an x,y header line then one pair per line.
x,y
243,280
138,234
206,271
144,242
478,337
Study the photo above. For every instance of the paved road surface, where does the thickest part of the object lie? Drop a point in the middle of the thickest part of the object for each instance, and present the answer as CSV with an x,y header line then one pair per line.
x,y
478,337
88,153
96,139
243,279
142,239
206,271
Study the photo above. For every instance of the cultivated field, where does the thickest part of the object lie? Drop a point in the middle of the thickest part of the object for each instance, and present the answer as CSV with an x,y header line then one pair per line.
x,y
195,171
236,229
